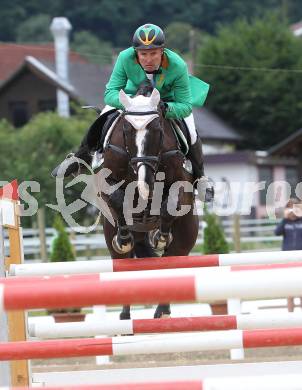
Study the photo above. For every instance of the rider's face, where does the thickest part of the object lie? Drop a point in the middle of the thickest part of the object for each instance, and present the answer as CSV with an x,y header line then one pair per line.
x,y
150,59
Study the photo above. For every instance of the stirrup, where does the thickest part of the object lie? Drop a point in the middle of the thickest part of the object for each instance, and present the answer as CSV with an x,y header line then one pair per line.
x,y
97,160
72,155
75,170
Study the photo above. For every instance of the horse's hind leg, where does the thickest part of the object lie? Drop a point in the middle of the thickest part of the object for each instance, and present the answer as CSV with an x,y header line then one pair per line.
x,y
185,232
144,249
162,310
125,313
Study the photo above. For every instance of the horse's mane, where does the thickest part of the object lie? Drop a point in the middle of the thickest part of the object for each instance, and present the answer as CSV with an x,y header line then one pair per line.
x,y
145,88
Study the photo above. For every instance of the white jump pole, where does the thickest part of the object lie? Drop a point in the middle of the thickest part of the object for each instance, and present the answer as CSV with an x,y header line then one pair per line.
x,y
100,315
260,382
234,307
5,375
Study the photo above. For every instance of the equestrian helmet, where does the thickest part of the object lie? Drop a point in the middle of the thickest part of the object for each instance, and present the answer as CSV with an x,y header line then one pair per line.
x,y
148,36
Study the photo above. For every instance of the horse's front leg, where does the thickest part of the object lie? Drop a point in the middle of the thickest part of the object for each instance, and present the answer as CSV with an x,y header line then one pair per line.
x,y
123,241
171,208
161,238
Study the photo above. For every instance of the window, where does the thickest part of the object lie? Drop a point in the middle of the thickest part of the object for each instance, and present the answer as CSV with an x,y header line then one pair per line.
x,y
19,113
291,176
47,105
265,174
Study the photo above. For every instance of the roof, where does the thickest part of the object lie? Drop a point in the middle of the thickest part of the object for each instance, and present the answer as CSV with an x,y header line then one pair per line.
x,y
239,157
290,146
210,127
87,83
88,80
43,72
13,55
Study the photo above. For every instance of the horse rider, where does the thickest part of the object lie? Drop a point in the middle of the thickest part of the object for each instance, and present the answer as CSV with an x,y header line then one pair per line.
x,y
149,59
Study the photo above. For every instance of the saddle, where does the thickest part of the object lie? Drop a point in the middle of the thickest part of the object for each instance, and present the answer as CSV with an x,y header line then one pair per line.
x,y
97,132
181,133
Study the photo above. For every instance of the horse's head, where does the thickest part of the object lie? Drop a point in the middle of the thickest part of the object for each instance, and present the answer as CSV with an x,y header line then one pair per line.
x,y
143,134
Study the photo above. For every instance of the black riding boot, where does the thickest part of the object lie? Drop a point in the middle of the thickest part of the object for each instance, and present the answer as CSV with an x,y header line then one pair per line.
x,y
195,155
72,164
93,141
204,188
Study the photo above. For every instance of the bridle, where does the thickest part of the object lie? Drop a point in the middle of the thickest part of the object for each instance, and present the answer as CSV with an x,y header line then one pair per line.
x,y
150,161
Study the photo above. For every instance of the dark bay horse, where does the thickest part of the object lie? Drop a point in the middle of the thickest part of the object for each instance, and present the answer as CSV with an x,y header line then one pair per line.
x,y
153,207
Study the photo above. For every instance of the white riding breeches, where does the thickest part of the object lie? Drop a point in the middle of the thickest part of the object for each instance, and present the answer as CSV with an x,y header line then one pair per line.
x,y
191,127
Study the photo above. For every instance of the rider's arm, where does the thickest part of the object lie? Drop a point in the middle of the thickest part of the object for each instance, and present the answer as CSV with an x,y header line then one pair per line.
x,y
181,107
118,81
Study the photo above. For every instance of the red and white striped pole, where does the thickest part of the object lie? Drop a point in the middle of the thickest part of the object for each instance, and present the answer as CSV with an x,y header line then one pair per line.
x,y
182,285
169,272
150,344
162,325
121,265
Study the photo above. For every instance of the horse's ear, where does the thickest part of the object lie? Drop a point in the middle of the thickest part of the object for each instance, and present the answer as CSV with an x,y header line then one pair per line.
x,y
125,100
155,97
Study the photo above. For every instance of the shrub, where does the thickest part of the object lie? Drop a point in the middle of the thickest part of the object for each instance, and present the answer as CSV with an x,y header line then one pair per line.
x,y
61,248
214,239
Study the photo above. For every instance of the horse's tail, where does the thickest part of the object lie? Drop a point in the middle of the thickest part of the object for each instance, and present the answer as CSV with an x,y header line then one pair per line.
x,y
144,248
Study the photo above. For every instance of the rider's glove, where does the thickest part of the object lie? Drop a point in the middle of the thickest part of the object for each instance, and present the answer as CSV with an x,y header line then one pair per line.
x,y
164,107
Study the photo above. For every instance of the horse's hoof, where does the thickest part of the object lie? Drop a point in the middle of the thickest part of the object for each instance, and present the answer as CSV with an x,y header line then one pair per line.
x,y
165,316
159,240
125,316
122,248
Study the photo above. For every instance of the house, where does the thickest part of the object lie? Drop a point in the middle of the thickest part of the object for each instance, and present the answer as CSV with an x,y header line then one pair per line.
x,y
297,29
253,183
217,136
29,83
33,78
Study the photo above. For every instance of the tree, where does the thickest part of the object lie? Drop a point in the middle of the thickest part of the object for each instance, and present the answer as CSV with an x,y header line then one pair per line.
x,y
7,144
88,45
46,140
214,239
35,29
254,82
115,21
179,37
